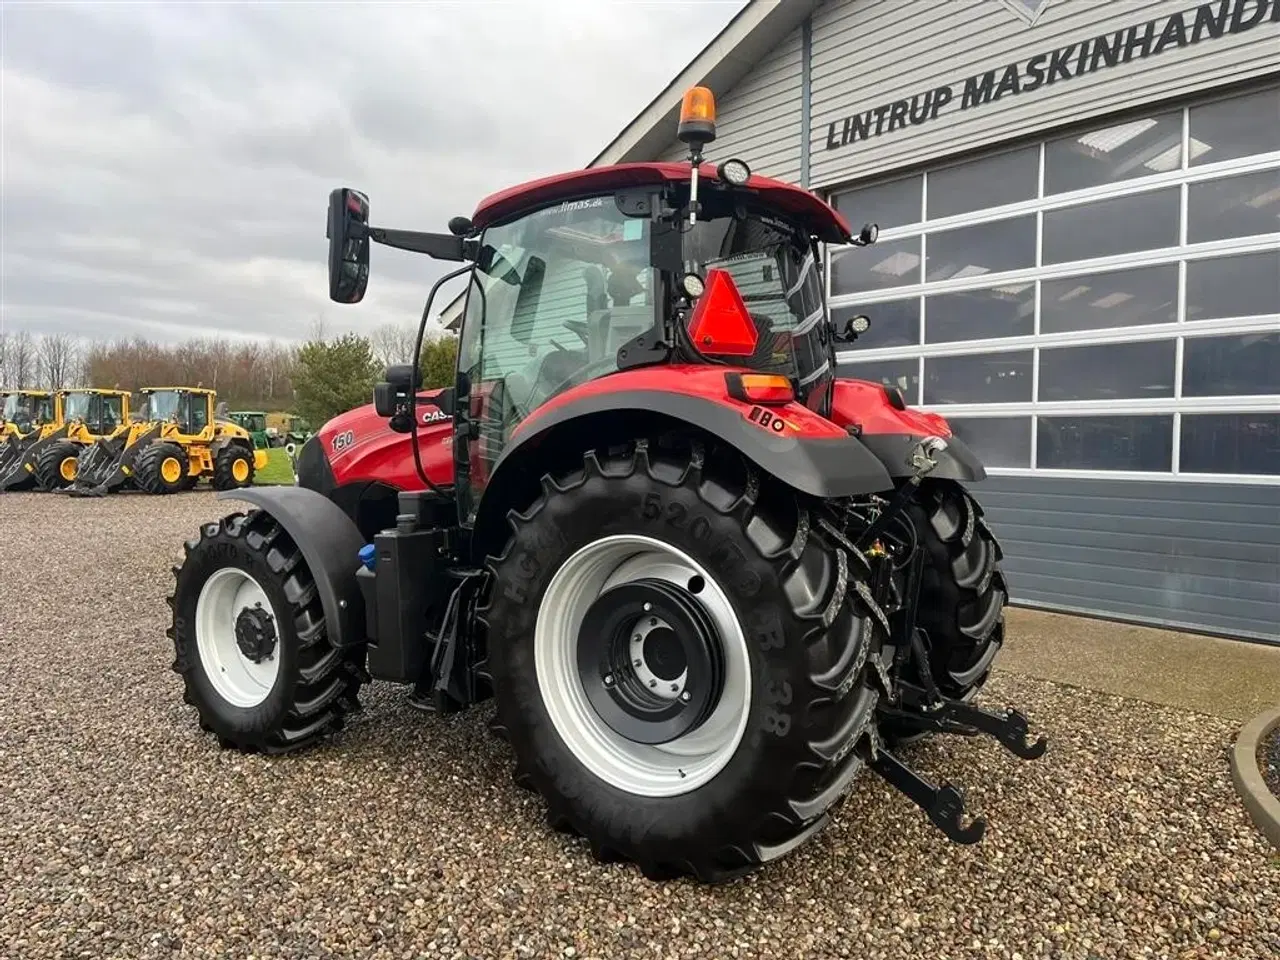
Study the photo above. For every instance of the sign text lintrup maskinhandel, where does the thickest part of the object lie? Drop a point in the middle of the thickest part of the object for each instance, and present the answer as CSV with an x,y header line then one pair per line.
x,y
1207,21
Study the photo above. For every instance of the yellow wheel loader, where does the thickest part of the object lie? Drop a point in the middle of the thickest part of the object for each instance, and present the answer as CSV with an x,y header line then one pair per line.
x,y
88,415
28,416
182,438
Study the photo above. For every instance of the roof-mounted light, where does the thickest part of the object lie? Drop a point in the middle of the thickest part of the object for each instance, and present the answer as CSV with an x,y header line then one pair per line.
x,y
734,171
697,117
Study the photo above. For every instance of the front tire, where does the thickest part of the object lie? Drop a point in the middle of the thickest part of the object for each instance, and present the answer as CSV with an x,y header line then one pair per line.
x,y
250,641
56,465
233,468
161,468
762,606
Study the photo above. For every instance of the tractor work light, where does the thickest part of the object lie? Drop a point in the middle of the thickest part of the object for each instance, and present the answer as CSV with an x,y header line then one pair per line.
x,y
692,285
697,117
734,171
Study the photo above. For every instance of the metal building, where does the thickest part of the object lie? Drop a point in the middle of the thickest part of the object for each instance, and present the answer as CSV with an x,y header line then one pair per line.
x,y
1079,264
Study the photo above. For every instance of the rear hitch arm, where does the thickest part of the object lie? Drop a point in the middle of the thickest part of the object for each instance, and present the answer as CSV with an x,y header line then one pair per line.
x,y
1009,727
944,805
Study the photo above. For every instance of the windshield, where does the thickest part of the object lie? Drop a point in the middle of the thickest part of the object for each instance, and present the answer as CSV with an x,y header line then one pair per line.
x,y
163,405
10,407
76,406
776,272
254,421
559,292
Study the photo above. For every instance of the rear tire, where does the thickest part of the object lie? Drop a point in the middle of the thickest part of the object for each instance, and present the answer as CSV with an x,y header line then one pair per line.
x,y
56,465
780,599
963,594
262,678
233,468
161,468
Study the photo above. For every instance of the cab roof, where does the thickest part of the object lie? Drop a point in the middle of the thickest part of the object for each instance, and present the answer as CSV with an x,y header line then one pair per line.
x,y
102,390
178,389
818,217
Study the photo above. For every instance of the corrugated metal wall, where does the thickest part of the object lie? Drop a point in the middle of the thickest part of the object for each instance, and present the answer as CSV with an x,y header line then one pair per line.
x,y
759,120
867,53
1198,555
1194,555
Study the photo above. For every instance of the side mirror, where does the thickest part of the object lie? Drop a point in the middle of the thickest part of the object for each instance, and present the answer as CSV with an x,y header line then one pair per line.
x,y
348,234
385,396
868,235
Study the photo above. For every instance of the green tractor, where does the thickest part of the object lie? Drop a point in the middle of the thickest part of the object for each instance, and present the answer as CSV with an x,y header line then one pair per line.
x,y
294,430
255,423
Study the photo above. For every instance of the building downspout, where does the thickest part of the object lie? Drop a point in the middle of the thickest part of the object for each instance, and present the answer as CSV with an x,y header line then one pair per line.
x,y
806,55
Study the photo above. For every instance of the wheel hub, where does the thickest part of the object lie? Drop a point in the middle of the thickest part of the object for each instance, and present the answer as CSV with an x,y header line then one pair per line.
x,y
255,634
650,661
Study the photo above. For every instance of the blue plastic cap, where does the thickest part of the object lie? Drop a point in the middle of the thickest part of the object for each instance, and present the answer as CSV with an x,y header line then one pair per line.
x,y
368,555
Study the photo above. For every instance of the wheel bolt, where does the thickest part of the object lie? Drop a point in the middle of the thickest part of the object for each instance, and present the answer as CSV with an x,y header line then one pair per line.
x,y
675,687
648,607
686,696
608,679
653,683
637,663
653,621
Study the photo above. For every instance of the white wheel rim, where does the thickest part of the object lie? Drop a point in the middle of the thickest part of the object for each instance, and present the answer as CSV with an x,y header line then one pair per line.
x,y
663,770
237,679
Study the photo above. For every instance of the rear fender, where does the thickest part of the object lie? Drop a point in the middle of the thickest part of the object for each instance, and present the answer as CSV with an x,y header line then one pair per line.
x,y
329,543
891,432
789,442
802,449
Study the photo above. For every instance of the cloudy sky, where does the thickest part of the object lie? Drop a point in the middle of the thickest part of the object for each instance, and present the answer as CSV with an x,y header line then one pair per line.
x,y
165,167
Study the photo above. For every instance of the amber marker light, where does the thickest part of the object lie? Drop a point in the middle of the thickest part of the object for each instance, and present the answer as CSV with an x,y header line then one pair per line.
x,y
769,389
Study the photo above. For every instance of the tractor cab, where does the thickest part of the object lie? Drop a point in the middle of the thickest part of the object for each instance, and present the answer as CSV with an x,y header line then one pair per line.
x,y
29,409
98,413
188,410
254,422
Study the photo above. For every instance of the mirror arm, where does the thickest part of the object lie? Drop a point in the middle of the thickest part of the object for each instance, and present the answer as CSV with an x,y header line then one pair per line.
x,y
439,246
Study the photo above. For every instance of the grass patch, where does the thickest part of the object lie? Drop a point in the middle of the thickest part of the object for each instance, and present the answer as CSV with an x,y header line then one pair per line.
x,y
277,471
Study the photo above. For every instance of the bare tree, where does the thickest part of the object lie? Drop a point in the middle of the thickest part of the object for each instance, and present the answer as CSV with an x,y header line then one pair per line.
x,y
4,358
20,360
393,343
55,358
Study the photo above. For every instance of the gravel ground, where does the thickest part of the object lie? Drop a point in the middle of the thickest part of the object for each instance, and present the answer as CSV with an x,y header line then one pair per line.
x,y
124,832
1269,761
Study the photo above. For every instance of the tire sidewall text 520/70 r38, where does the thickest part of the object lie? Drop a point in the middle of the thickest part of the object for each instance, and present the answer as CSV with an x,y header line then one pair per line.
x,y
809,644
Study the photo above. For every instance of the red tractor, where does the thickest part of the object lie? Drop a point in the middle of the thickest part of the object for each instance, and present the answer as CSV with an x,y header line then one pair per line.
x,y
706,582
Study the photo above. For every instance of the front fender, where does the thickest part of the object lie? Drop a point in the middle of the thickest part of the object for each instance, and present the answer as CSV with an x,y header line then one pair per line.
x,y
329,543
792,443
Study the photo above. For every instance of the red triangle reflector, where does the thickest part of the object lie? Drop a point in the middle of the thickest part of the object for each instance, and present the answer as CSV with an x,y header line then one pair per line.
x,y
720,324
